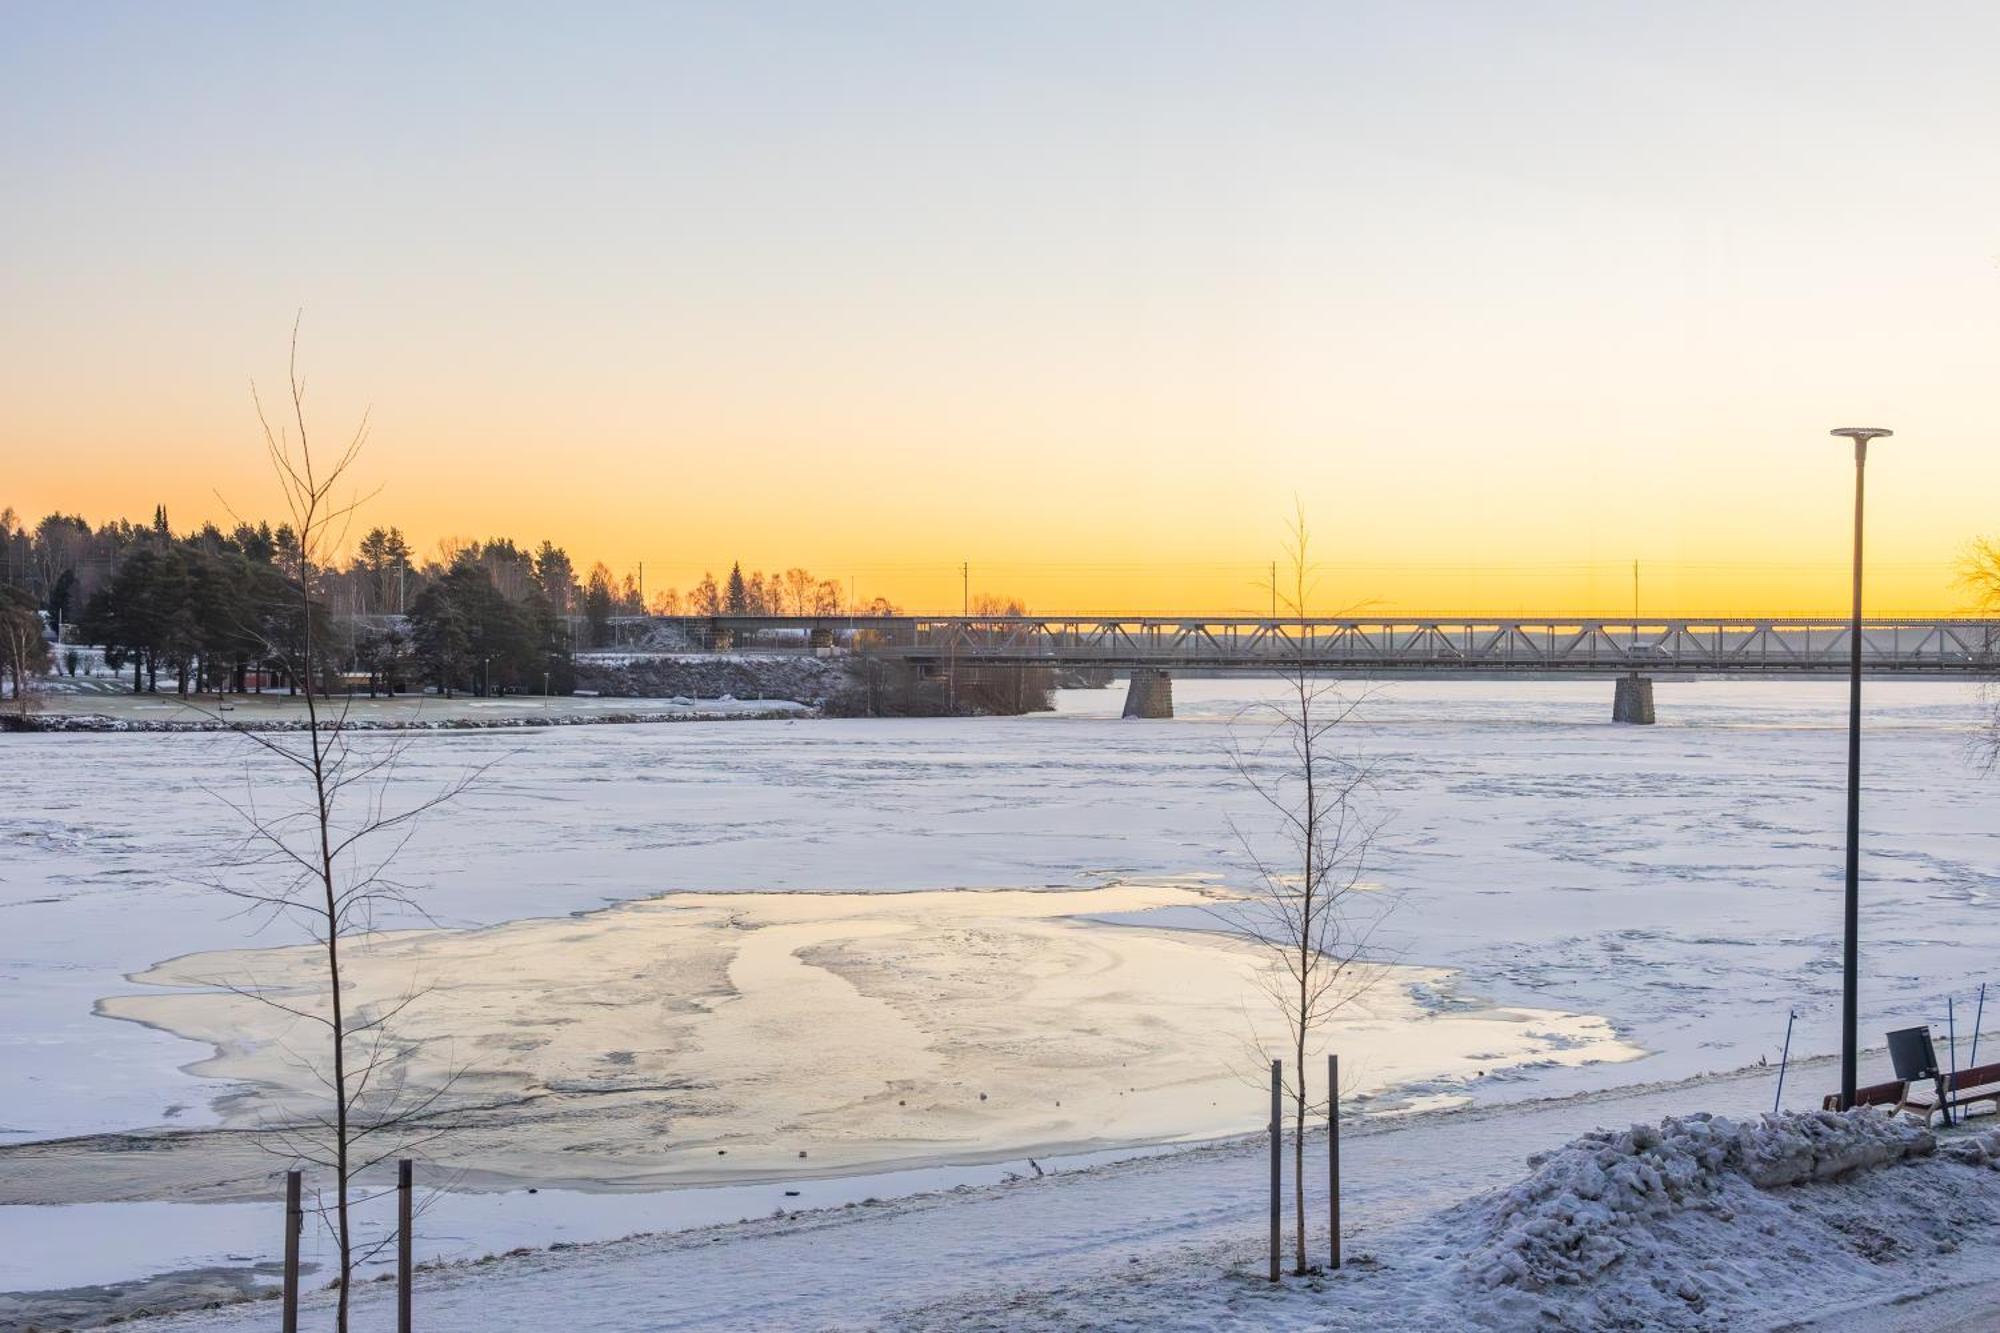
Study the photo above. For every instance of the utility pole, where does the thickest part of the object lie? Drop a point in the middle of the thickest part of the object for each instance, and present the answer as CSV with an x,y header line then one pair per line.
x,y
1274,590
965,588
642,587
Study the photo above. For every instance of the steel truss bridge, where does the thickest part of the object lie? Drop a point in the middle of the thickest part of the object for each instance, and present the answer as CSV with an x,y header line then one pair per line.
x,y
1385,645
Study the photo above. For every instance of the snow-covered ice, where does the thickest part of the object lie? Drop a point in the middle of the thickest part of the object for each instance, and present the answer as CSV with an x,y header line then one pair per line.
x,y
1679,882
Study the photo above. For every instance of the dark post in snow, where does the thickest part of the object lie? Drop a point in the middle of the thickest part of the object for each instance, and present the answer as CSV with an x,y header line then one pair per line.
x,y
1784,1062
403,1171
1333,1152
1850,985
295,1222
1277,1161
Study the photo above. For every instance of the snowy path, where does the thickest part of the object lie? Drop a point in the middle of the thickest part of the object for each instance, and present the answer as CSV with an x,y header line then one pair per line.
x,y
921,1260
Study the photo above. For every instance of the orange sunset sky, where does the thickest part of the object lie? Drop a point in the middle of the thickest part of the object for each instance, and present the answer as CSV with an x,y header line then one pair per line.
x,y
1507,296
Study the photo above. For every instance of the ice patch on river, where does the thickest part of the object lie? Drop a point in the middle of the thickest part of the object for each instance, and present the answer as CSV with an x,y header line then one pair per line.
x,y
699,1037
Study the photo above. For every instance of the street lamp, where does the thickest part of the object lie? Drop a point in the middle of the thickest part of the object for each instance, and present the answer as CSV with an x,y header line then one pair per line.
x,y
1850,980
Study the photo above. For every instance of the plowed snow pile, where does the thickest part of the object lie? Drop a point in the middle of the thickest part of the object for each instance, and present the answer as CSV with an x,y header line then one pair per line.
x,y
1581,1211
1702,1222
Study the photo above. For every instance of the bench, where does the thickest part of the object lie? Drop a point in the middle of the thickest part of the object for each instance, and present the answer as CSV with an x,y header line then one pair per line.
x,y
1980,1083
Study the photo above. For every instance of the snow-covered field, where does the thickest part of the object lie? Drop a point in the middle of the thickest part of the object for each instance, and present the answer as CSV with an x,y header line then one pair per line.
x,y
1680,883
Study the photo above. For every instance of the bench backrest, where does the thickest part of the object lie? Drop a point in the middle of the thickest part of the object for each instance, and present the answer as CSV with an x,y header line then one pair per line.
x,y
1978,1076
1877,1094
1896,1092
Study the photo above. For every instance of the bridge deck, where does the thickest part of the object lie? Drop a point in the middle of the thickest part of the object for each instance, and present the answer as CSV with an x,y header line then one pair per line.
x,y
1794,646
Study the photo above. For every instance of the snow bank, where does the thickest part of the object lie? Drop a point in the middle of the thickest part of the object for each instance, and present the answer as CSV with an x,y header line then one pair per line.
x,y
1584,1208
1981,1150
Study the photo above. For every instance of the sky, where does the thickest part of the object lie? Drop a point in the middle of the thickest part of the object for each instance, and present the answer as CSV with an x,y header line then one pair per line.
x,y
1085,297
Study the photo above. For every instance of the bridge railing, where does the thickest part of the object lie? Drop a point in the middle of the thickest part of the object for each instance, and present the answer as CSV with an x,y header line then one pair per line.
x,y
1795,645
1713,645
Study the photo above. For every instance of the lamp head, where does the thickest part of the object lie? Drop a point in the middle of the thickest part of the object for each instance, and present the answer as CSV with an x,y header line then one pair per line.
x,y
1861,435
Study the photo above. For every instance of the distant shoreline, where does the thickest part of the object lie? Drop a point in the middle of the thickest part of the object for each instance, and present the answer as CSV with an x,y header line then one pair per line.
x,y
99,724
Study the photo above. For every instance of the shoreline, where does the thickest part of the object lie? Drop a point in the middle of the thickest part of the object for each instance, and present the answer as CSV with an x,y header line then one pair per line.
x,y
99,724
211,1286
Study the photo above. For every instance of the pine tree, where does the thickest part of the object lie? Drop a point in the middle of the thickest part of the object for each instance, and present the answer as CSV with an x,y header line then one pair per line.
x,y
599,600
737,600
557,577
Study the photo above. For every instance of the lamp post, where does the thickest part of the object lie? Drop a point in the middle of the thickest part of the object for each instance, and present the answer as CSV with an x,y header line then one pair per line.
x,y
1850,955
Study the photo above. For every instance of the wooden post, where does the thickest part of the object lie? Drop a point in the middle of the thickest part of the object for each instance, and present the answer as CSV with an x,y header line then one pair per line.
x,y
403,1171
295,1222
1277,1161
1333,1152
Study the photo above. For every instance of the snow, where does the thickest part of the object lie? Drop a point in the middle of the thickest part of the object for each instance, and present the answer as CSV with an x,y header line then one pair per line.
x,y
1680,882
1174,1241
1586,1208
724,1036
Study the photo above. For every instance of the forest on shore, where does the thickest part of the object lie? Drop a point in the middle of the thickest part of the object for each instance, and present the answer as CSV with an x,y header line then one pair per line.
x,y
210,610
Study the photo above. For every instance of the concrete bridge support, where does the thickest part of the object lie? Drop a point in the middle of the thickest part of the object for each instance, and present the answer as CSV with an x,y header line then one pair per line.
x,y
1151,693
1633,703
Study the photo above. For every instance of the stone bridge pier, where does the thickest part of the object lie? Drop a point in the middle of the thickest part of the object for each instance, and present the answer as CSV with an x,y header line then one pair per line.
x,y
1151,693
1633,703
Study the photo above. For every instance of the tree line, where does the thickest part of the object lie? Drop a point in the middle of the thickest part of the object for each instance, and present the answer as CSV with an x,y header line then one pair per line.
x,y
213,610
216,611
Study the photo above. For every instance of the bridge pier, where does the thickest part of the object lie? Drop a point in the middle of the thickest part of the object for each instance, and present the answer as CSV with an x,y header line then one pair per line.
x,y
1633,703
1151,693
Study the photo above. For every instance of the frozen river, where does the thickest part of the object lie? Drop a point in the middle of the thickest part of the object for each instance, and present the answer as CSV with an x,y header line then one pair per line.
x,y
1680,882
1581,905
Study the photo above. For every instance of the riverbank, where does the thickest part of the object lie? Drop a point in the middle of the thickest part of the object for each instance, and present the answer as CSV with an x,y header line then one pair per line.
x,y
102,713
1175,1241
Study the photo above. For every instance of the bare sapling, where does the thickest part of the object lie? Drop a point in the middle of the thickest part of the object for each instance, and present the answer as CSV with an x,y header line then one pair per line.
x,y
1980,571
318,859
1307,908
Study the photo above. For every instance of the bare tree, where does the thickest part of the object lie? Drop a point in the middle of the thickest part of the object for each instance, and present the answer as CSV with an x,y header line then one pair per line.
x,y
322,863
1305,909
1980,571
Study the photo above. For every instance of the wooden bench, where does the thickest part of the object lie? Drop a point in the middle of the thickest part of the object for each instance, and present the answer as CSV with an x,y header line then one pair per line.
x,y
1980,1083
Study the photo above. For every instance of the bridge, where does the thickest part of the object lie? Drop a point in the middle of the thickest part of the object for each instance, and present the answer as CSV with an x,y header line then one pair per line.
x,y
1151,647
